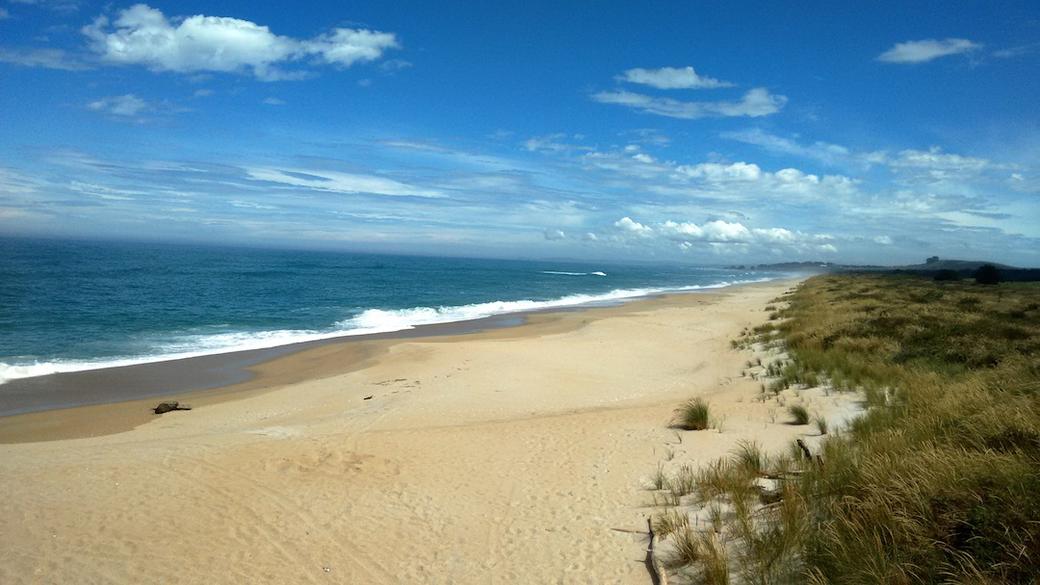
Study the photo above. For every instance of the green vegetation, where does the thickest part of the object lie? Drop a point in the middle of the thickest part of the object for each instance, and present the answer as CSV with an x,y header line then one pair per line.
x,y
799,415
821,424
937,482
987,274
693,415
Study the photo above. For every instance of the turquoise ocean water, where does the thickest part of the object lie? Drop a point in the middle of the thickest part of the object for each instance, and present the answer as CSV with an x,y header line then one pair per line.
x,y
69,305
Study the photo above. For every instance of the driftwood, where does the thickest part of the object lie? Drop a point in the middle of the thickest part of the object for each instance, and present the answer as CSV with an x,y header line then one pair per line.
x,y
165,407
657,573
805,450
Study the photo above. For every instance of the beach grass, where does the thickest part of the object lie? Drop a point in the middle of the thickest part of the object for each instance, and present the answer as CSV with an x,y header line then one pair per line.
x,y
693,415
821,424
799,414
938,481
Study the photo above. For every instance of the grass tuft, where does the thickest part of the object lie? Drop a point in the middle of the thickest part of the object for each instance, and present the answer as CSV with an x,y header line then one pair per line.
x,y
821,424
686,548
670,522
799,415
693,415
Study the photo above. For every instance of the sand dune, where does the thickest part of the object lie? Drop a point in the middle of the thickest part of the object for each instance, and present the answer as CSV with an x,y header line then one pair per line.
x,y
507,456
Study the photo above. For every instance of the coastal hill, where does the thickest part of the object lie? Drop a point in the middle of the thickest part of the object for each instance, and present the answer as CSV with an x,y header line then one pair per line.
x,y
932,265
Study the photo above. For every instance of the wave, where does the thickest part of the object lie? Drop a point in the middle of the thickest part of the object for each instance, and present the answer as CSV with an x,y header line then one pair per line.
x,y
367,322
561,272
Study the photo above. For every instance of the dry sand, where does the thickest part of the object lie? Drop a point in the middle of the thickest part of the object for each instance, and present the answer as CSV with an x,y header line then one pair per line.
x,y
508,456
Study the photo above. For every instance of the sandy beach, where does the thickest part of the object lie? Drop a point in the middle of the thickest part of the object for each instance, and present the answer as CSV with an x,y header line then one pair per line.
x,y
514,455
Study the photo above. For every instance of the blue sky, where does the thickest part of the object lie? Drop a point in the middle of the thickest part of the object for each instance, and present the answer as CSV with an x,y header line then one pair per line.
x,y
703,132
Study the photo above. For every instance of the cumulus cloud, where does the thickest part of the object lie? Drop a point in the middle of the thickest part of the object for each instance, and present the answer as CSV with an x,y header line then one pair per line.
x,y
927,50
722,173
671,78
628,225
720,232
273,101
142,35
755,103
553,234
127,106
719,181
712,231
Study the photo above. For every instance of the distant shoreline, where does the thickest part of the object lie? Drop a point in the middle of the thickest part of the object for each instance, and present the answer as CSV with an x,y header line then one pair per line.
x,y
193,376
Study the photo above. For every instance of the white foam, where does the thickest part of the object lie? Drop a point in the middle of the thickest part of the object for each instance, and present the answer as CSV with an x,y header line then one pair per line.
x,y
563,273
367,322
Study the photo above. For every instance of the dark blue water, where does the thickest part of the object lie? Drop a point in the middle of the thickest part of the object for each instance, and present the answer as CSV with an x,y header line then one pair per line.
x,y
67,306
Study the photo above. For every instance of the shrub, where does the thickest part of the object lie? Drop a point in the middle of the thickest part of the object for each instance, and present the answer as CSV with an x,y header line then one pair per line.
x,y
693,415
987,274
947,275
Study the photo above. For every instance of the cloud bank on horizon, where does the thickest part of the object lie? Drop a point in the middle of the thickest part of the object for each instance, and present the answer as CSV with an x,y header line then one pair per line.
x,y
687,134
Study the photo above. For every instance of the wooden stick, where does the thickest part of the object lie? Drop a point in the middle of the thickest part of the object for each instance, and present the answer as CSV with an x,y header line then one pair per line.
x,y
657,574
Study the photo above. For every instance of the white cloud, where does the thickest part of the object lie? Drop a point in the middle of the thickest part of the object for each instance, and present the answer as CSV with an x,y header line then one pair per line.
x,y
935,158
626,224
346,46
775,235
273,101
725,233
671,78
735,181
337,182
883,240
825,152
128,106
927,50
46,58
720,173
553,234
142,35
552,143
4,13
755,103
66,6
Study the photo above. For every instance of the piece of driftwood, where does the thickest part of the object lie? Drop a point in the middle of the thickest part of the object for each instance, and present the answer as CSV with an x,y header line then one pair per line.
x,y
165,407
369,397
805,450
782,476
657,573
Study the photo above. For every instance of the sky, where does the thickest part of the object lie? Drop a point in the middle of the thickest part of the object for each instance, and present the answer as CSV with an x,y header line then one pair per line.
x,y
679,131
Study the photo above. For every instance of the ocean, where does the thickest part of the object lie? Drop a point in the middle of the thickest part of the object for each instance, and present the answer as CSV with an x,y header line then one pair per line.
x,y
69,306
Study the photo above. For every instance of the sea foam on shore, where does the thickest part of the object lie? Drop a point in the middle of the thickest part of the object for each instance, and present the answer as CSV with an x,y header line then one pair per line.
x,y
367,322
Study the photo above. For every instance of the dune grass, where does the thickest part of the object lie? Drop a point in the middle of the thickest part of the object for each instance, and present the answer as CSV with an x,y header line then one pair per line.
x,y
799,415
821,424
937,482
693,415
